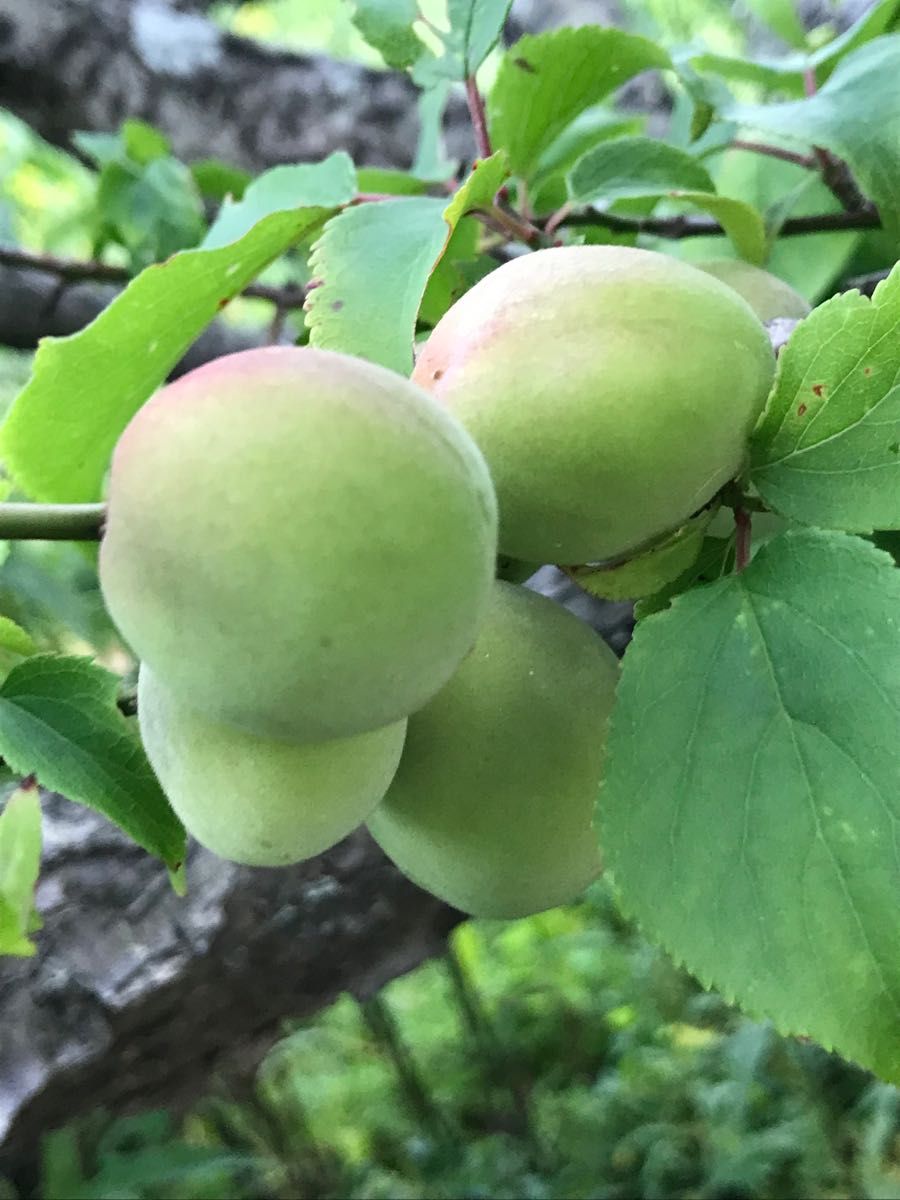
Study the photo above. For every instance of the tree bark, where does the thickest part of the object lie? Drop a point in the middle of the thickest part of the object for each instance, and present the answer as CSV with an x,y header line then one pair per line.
x,y
87,64
35,304
138,998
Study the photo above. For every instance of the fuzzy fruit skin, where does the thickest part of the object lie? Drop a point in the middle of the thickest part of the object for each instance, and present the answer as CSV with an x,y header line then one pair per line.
x,y
491,808
767,295
258,801
610,389
299,543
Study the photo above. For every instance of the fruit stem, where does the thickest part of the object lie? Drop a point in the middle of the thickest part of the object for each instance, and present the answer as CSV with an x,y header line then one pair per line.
x,y
52,522
743,530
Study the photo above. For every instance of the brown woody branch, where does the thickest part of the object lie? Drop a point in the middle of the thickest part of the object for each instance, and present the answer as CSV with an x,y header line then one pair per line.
x,y
74,270
682,226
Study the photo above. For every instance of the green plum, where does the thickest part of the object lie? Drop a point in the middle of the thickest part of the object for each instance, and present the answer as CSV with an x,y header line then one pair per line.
x,y
299,543
492,804
767,295
261,801
610,389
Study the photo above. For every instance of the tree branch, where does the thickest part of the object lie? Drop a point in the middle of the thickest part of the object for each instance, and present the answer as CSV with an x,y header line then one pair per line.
x,y
479,117
682,226
74,270
791,156
52,522
865,283
35,304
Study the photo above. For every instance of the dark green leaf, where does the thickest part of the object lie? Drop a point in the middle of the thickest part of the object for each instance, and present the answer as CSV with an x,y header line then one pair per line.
x,y
635,166
750,809
59,722
220,181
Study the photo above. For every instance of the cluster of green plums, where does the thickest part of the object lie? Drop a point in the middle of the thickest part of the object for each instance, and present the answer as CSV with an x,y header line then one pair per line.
x,y
301,548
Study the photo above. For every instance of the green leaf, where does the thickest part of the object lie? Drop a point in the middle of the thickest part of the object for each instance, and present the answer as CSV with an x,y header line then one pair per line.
x,y
61,429
390,181
431,161
475,27
635,166
144,143
375,261
388,26
220,181
779,189
781,17
59,722
639,167
479,190
546,80
845,117
14,638
786,74
827,449
20,861
153,211
716,558
453,274
743,224
750,809
647,573
327,184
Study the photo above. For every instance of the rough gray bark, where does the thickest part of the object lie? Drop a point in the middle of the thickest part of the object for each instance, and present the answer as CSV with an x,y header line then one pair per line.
x,y
88,64
35,304
138,998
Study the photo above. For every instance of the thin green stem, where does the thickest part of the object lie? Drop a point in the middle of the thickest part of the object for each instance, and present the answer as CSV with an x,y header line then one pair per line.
x,y
52,522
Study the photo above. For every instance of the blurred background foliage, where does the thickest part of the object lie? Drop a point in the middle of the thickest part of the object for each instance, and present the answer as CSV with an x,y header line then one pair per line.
x,y
559,1056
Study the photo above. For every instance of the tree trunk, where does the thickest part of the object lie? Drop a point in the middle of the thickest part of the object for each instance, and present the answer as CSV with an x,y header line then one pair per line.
x,y
138,997
87,64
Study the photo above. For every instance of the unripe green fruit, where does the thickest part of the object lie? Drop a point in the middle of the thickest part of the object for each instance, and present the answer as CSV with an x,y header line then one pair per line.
x,y
611,390
767,295
299,543
255,800
492,804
